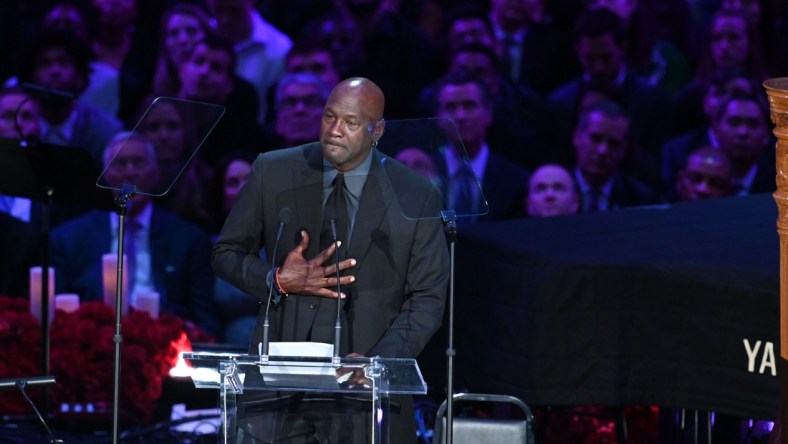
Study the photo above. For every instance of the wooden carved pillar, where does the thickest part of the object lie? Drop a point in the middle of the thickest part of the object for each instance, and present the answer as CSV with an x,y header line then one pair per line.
x,y
777,92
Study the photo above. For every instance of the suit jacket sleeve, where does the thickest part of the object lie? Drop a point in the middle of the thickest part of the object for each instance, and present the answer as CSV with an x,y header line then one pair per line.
x,y
426,285
235,255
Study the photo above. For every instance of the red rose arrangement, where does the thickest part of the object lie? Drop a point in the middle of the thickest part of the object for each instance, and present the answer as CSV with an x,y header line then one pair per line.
x,y
20,345
82,354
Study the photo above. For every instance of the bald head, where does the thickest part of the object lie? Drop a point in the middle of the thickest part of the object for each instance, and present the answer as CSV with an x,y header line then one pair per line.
x,y
366,91
352,122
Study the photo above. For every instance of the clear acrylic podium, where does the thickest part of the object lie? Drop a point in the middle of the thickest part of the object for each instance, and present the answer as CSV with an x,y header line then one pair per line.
x,y
367,382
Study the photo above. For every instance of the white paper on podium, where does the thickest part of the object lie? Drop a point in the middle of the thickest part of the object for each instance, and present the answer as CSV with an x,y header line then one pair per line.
x,y
288,372
311,349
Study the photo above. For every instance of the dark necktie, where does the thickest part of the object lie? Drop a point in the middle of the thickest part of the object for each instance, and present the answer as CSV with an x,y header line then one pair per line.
x,y
510,63
337,201
594,200
464,191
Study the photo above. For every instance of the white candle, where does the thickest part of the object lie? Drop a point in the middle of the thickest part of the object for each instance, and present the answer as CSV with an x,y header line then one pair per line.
x,y
148,301
67,302
109,275
36,293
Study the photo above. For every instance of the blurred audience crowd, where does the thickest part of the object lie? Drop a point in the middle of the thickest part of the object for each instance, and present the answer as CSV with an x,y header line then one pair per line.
x,y
561,106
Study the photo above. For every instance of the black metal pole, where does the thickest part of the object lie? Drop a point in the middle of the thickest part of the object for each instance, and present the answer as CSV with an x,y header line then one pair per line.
x,y
126,193
45,343
450,227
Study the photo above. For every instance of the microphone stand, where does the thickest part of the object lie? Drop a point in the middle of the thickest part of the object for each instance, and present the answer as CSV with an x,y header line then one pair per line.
x,y
283,218
33,382
335,361
449,219
126,193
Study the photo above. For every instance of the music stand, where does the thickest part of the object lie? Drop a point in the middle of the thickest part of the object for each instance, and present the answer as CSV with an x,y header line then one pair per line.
x,y
49,173
195,121
434,148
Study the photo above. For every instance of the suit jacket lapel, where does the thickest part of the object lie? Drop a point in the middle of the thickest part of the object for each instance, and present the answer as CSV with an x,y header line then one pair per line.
x,y
307,199
376,199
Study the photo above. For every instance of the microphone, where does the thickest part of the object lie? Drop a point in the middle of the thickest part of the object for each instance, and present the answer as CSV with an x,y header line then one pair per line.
x,y
331,214
49,95
283,218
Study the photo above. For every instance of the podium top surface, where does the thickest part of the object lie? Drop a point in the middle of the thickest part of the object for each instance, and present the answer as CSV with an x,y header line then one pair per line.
x,y
306,374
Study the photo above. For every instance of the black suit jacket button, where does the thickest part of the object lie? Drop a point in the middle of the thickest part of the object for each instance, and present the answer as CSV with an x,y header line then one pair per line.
x,y
313,305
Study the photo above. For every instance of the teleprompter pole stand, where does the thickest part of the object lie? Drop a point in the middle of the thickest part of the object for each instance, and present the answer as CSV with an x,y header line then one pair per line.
x,y
121,200
449,219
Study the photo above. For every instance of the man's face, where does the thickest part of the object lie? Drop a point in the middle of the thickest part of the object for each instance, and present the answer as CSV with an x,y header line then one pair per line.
x,y
163,126
729,42
601,57
477,64
56,68
298,113
470,30
133,164
27,118
601,146
348,128
233,180
318,63
742,131
206,76
704,177
181,35
464,105
551,192
233,18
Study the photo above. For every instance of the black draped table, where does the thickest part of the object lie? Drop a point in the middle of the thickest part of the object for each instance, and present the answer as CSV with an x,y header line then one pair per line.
x,y
674,306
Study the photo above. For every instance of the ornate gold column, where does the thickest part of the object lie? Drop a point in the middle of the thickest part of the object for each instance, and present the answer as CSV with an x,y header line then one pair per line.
x,y
777,92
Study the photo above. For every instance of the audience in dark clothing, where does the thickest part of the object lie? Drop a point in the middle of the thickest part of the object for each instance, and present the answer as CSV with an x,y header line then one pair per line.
x,y
640,99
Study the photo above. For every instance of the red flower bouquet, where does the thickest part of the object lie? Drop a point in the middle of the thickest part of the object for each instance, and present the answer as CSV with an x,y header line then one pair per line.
x,y
20,351
82,355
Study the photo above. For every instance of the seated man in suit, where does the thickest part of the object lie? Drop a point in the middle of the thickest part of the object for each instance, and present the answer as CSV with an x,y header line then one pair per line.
x,y
465,100
601,142
166,254
741,126
722,84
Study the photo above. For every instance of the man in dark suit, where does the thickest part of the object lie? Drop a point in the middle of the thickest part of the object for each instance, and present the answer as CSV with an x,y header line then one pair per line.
x,y
601,142
465,99
170,256
601,50
741,126
397,267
